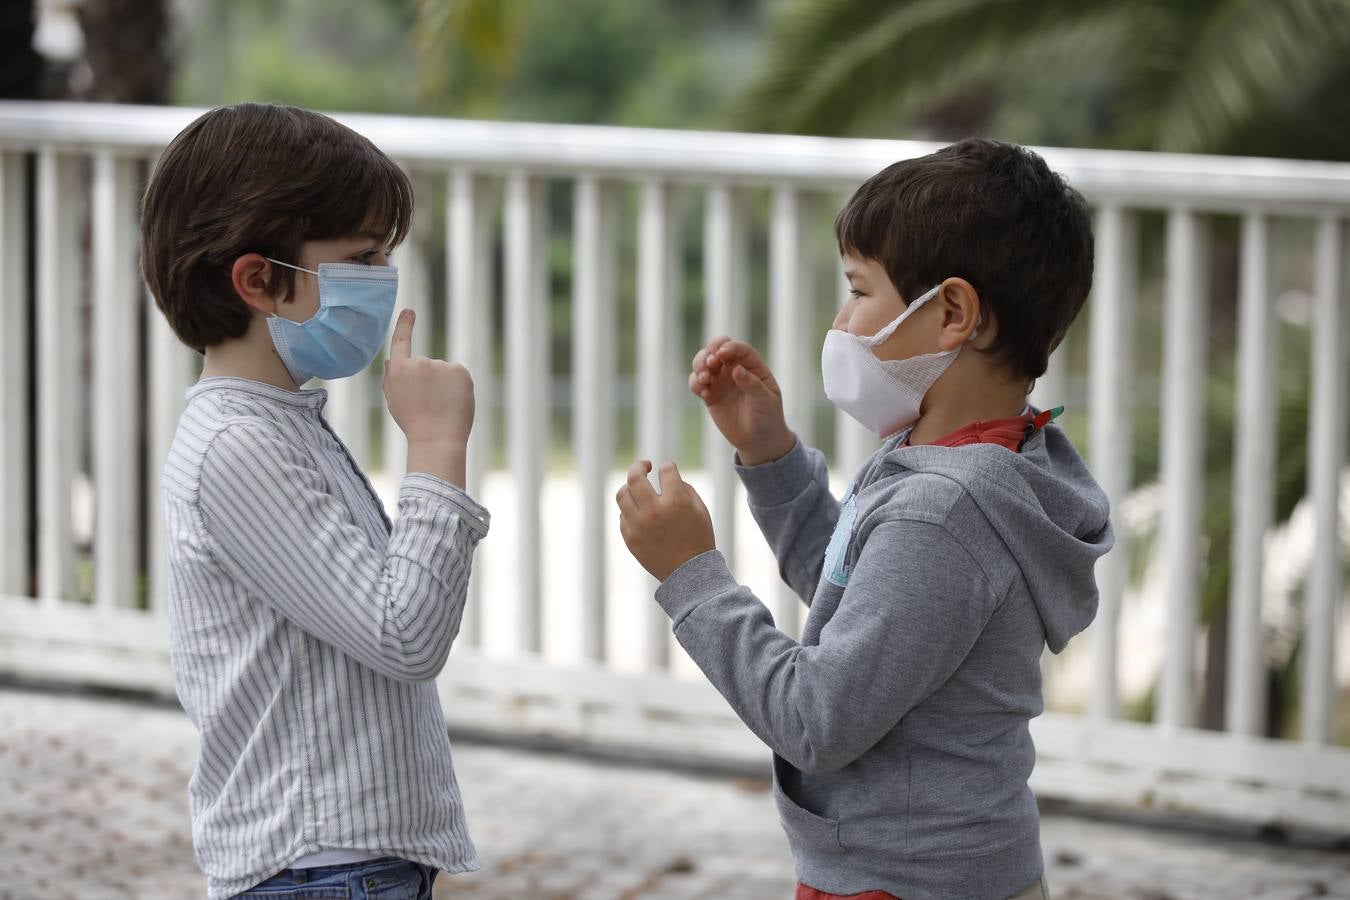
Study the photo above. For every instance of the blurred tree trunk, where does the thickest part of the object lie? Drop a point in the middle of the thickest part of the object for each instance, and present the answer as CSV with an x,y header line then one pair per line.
x,y
126,52
20,65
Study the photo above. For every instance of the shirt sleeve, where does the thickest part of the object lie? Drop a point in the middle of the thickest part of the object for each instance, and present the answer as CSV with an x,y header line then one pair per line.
x,y
791,501
906,622
277,528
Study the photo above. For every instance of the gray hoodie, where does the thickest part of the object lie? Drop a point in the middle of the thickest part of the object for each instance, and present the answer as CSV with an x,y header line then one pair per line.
x,y
899,721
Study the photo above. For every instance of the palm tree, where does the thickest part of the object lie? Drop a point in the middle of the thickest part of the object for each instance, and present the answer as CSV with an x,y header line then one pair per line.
x,y
1221,76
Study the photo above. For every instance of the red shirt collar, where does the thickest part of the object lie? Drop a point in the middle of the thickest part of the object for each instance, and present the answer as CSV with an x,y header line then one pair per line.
x,y
1010,433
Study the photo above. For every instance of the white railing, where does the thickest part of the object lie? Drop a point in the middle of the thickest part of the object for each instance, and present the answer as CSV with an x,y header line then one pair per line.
x,y
76,170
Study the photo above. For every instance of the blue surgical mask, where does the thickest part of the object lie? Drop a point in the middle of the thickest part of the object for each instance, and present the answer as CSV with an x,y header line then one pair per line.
x,y
356,303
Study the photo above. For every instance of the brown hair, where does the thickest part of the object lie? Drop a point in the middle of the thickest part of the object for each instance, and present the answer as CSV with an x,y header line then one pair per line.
x,y
257,178
993,214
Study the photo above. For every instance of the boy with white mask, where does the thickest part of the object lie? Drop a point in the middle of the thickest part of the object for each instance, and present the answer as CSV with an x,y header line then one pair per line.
x,y
964,546
306,629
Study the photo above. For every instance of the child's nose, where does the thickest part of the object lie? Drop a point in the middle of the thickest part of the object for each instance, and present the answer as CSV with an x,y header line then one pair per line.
x,y
841,320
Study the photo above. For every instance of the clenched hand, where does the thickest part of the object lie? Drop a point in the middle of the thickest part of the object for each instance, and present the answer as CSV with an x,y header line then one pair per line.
x,y
663,531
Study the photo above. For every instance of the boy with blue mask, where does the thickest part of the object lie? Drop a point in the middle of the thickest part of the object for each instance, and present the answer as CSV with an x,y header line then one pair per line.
x,y
306,628
964,546
356,301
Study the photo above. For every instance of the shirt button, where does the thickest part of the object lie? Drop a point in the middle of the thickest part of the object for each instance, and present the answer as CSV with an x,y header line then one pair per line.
x,y
372,883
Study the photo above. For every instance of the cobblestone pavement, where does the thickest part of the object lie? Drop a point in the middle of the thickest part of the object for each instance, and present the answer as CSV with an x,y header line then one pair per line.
x,y
93,805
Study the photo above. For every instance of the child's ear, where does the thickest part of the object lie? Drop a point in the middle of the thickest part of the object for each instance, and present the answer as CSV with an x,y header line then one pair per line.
x,y
250,275
960,306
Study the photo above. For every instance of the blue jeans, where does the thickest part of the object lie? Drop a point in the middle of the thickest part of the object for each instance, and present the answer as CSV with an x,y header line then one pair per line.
x,y
380,879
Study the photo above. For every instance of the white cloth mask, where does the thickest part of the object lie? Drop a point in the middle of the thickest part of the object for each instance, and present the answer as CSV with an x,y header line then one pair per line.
x,y
885,395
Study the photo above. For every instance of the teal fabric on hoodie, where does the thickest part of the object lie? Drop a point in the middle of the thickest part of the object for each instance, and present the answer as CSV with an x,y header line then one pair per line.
x,y
899,722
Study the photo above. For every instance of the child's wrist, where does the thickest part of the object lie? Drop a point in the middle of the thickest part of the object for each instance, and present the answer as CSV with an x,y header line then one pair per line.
x,y
444,458
768,451
446,440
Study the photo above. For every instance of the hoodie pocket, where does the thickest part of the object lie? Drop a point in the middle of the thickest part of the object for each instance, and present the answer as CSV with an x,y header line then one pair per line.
x,y
804,828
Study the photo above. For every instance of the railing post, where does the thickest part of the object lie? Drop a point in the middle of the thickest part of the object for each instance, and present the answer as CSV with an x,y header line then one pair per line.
x,y
1183,446
1253,479
788,320
1111,415
469,342
59,212
594,338
724,256
527,387
115,371
1326,459
15,484
659,388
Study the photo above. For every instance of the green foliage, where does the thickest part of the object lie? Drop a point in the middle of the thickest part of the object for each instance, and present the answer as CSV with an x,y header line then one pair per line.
x,y
333,55
660,63
465,48
643,62
1198,75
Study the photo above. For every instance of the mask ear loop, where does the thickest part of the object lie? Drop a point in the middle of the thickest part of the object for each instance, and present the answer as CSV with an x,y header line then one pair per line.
x,y
274,314
885,333
289,266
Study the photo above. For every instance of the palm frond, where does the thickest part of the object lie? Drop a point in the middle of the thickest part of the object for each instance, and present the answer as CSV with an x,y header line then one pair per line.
x,y
850,72
1035,79
1249,58
801,35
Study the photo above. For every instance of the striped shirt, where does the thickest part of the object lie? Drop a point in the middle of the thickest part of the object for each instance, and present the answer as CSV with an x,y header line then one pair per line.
x,y
305,633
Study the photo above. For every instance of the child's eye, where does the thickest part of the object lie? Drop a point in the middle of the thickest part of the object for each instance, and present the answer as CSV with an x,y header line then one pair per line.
x,y
856,294
364,258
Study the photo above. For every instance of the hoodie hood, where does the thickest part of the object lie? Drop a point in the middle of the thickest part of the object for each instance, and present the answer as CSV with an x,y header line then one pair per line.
x,y
1044,504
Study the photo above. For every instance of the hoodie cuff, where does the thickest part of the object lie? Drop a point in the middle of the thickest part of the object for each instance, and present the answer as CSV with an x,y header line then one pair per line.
x,y
777,482
702,578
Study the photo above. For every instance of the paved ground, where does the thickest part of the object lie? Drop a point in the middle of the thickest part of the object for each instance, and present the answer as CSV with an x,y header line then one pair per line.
x,y
93,805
